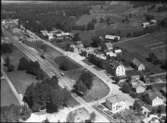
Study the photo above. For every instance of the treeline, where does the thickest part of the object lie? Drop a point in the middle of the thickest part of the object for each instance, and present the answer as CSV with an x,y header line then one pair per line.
x,y
31,68
40,17
46,95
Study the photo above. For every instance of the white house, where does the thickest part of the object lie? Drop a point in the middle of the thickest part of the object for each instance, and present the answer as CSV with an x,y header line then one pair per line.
x,y
120,71
117,51
154,98
112,37
157,101
111,54
145,24
116,103
153,21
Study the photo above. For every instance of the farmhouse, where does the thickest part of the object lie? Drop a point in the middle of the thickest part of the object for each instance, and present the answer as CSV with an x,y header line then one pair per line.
x,y
120,71
116,103
112,37
138,64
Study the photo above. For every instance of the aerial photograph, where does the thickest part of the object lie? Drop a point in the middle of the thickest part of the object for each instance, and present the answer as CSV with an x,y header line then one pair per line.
x,y
83,61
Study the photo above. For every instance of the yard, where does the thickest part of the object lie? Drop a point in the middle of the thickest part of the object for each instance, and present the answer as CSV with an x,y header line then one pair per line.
x,y
7,96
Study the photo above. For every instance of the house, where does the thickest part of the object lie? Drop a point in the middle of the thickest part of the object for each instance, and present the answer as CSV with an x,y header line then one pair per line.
x,y
145,24
120,71
112,37
109,46
151,119
111,54
117,51
116,103
154,98
138,64
142,107
153,21
138,85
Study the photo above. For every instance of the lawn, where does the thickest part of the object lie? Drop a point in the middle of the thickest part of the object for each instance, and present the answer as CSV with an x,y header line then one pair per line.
x,y
21,80
98,90
7,96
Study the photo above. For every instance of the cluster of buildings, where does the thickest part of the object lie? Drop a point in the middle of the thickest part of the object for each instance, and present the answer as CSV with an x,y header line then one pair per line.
x,y
56,34
148,97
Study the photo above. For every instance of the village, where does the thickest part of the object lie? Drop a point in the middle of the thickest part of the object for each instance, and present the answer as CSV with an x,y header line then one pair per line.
x,y
136,84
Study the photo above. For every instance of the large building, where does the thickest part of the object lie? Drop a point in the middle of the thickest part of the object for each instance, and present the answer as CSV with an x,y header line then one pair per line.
x,y
116,103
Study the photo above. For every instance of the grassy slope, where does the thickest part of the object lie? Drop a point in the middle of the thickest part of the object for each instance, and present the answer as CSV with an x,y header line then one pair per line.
x,y
7,96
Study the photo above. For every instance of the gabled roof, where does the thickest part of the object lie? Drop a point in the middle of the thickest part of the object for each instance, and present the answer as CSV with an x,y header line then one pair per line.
x,y
136,62
153,94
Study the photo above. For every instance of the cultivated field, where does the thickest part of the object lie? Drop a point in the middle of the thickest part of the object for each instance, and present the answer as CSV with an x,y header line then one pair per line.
x,y
7,96
149,43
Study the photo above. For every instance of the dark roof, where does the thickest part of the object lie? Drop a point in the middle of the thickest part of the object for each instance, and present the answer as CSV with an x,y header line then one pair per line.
x,y
132,72
142,103
153,94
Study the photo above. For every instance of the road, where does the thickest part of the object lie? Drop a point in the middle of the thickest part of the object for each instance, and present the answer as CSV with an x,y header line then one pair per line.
x,y
51,71
114,89
127,40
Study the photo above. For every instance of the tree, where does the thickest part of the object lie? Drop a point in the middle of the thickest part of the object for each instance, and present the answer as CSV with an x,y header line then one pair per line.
x,y
46,95
92,116
76,37
7,61
80,88
6,48
87,79
23,64
126,87
148,17
25,112
45,121
63,66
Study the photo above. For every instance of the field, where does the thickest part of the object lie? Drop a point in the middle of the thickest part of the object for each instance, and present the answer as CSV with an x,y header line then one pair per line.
x,y
21,80
7,96
98,90
147,43
142,46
